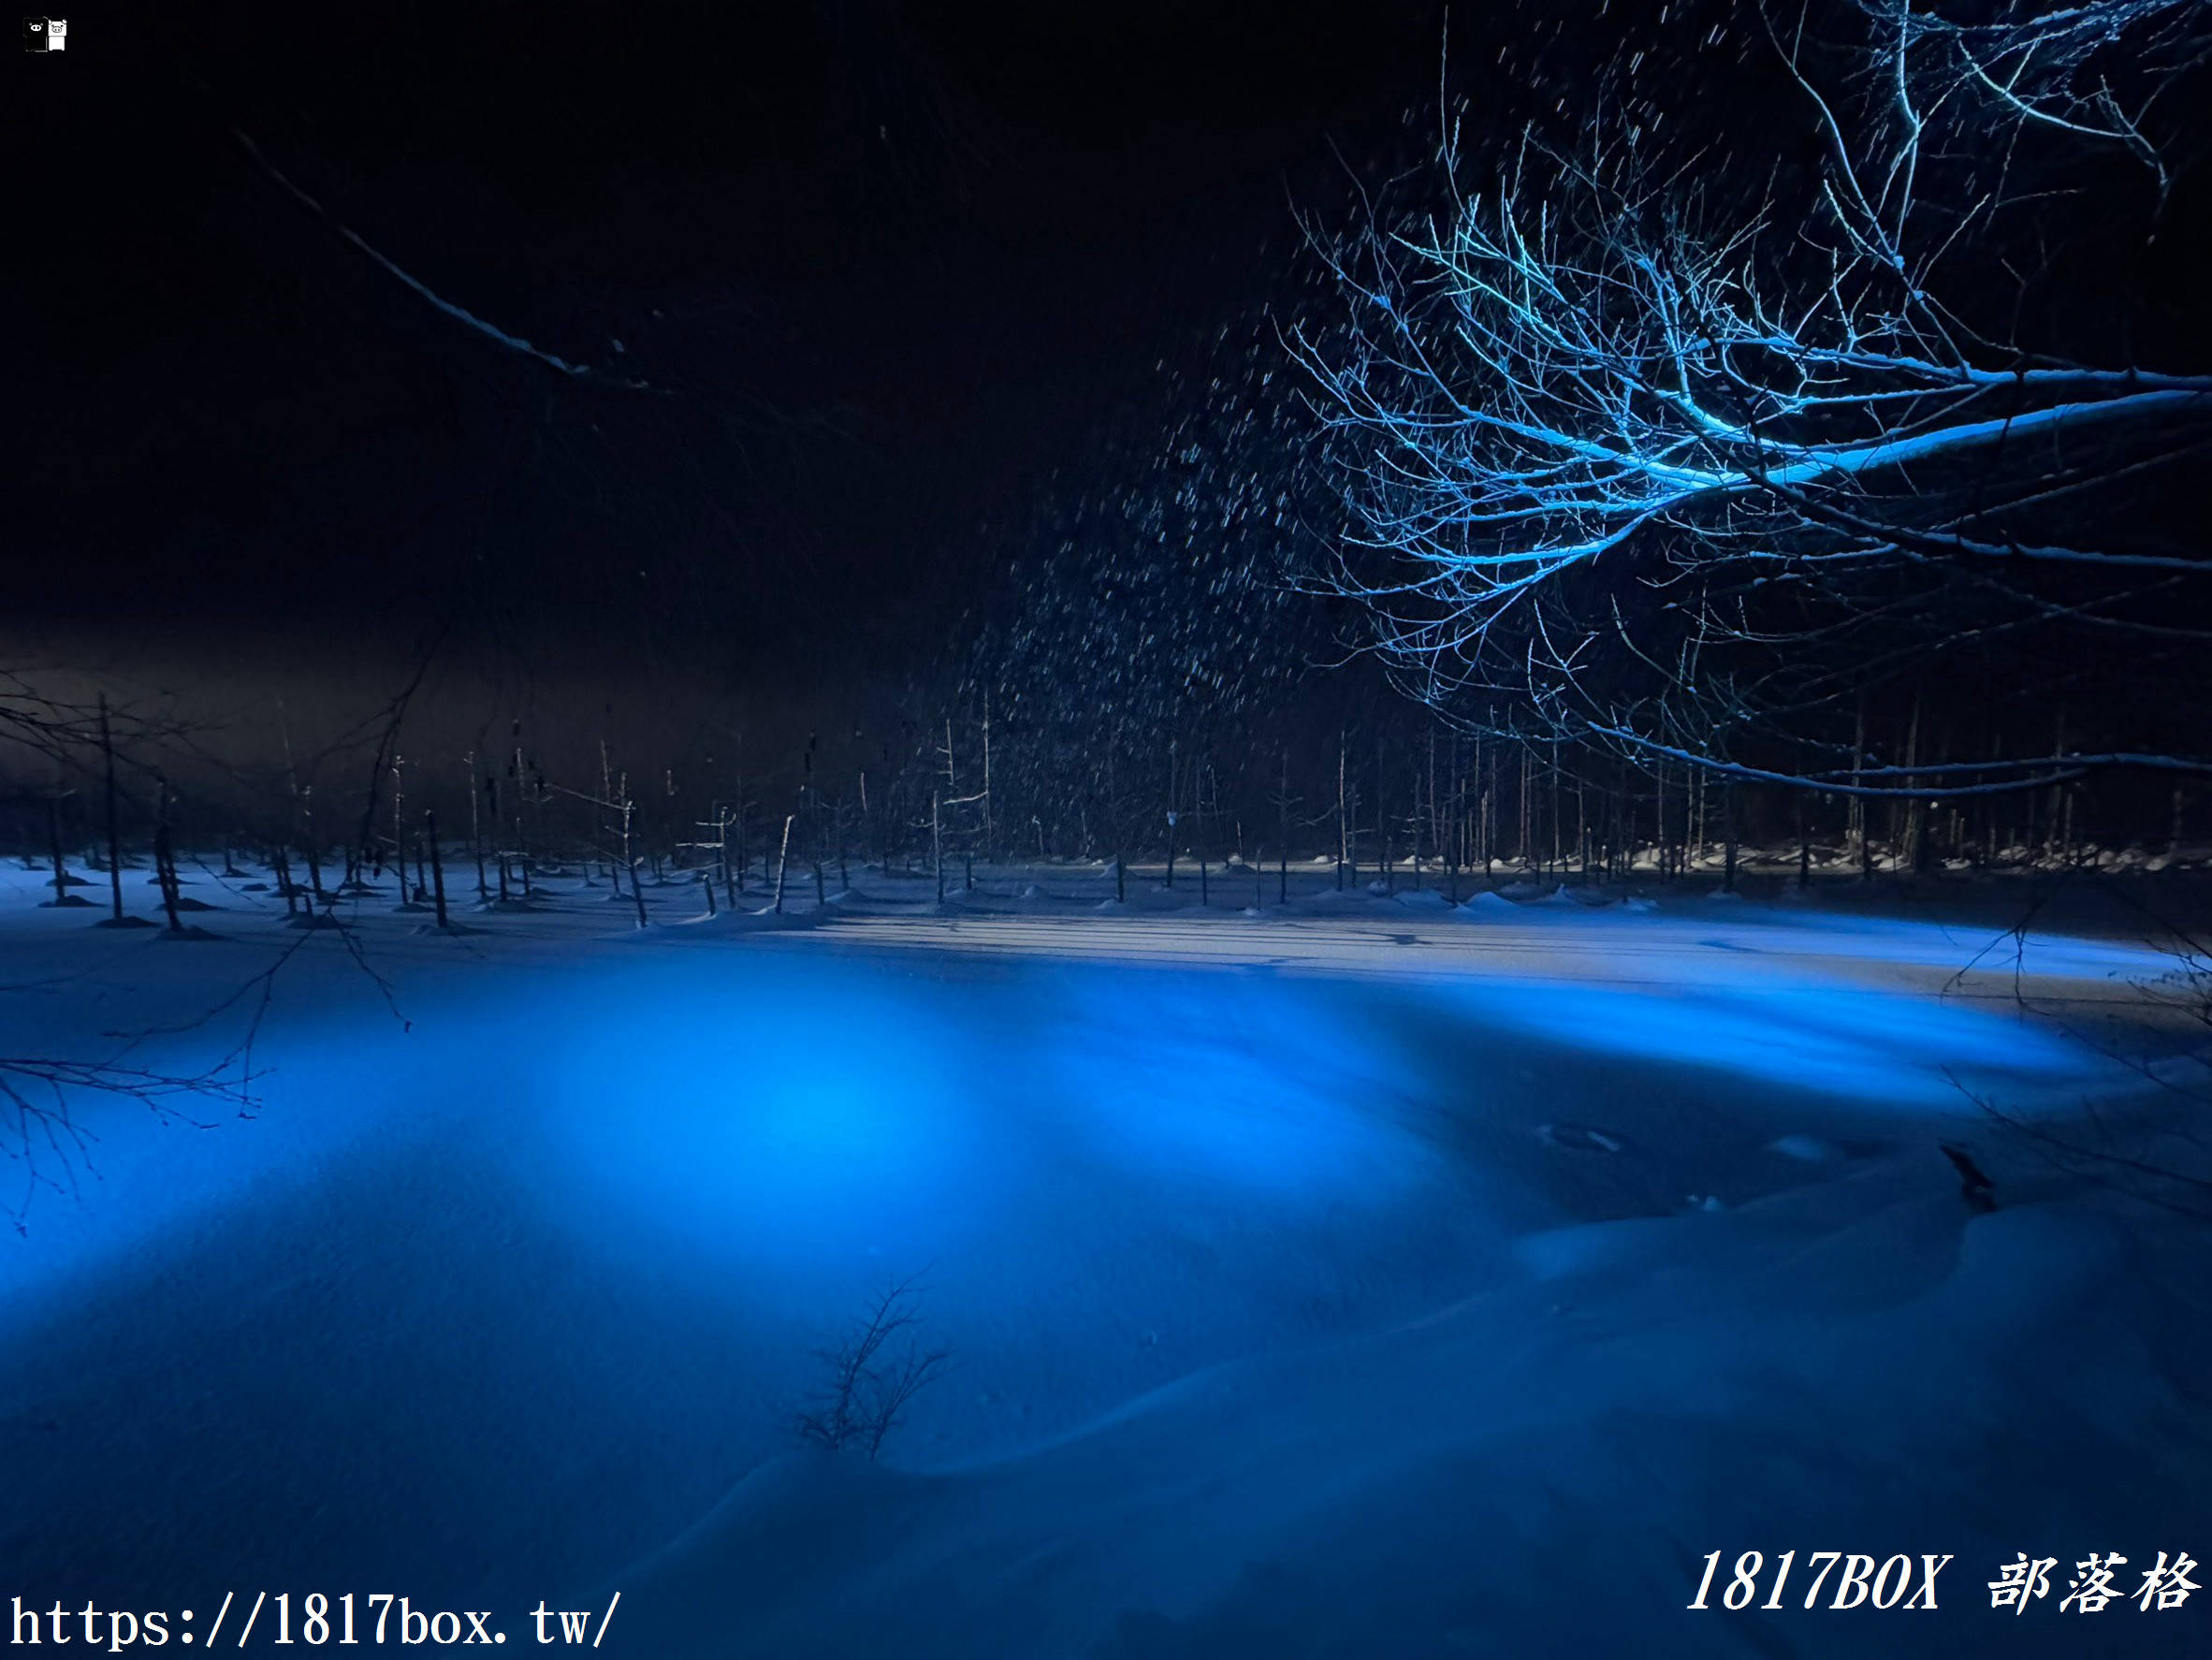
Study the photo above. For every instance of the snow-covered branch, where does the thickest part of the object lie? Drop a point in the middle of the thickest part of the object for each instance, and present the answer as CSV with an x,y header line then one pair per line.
x,y
1586,417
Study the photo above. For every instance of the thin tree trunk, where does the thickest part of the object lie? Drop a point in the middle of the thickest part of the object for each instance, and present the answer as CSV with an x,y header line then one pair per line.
x,y
1382,825
1912,854
283,866
61,869
400,828
1526,852
476,831
1695,850
430,832
629,858
1581,831
114,834
1454,815
1859,754
522,829
1343,834
1729,831
491,788
165,860
1558,817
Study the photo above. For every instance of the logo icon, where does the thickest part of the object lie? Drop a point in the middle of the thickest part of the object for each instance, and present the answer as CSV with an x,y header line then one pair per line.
x,y
45,34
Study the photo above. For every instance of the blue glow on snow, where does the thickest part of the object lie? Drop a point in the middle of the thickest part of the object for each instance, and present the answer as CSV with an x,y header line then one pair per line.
x,y
770,1099
1876,1049
1225,1078
786,1099
775,1102
780,1098
610,1198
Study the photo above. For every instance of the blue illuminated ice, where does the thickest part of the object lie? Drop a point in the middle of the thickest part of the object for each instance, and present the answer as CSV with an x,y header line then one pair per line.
x,y
1361,1277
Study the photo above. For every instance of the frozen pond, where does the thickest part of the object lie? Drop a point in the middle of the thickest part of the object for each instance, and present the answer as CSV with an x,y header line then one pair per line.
x,y
1255,1243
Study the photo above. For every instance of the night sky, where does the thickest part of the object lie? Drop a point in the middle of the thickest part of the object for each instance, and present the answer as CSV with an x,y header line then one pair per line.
x,y
908,288
886,267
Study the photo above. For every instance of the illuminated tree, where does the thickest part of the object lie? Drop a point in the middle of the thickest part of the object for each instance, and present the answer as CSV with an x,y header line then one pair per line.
x,y
1683,454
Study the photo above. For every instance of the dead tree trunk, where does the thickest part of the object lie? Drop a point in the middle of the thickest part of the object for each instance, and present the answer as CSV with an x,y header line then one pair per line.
x,y
629,857
399,826
1524,853
1345,869
430,831
1382,825
476,831
1914,829
522,827
1860,821
783,863
1582,830
1728,835
115,833
61,869
165,860
1558,817
1450,826
729,880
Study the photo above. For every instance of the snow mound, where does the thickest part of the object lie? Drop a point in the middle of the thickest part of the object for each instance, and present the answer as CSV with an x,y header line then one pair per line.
x,y
1641,1388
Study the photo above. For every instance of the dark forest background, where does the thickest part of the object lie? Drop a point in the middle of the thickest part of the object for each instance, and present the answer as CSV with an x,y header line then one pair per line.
x,y
921,364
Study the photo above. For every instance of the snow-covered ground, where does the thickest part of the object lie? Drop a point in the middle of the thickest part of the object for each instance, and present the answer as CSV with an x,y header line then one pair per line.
x,y
1366,1277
